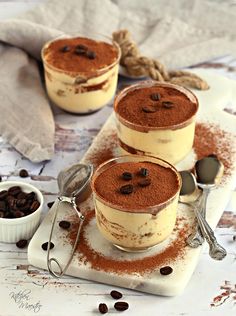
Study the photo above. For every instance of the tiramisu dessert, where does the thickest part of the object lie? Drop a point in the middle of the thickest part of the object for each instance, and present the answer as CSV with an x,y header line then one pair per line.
x,y
156,119
136,200
81,73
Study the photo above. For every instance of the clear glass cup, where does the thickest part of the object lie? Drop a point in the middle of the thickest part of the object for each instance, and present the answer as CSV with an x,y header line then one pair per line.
x,y
137,229
81,92
171,143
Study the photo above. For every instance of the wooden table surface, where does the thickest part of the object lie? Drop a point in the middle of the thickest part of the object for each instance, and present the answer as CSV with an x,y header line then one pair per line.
x,y
25,290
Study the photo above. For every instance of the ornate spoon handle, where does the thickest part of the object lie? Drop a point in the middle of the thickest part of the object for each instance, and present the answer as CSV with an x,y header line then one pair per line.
x,y
216,251
196,239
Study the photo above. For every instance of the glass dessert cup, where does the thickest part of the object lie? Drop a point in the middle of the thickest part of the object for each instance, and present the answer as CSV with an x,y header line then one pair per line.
x,y
75,89
171,142
135,229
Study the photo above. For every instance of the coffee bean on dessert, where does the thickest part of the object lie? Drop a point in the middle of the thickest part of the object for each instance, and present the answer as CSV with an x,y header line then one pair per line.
x,y
121,306
34,206
45,246
143,172
116,295
80,51
127,176
144,182
90,54
23,173
50,204
64,224
155,96
126,189
3,194
22,243
167,104
65,49
81,46
14,190
149,109
166,270
103,309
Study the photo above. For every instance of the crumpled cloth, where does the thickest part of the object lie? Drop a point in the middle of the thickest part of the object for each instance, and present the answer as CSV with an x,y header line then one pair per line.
x,y
178,33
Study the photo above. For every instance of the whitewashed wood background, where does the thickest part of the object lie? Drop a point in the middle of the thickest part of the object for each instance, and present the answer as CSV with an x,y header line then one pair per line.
x,y
25,290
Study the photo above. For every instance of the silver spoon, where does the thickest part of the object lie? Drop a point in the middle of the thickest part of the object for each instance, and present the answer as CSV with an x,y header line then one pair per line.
x,y
216,251
72,182
209,171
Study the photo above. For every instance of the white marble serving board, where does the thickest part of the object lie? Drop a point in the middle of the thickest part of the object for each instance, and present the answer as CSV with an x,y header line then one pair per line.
x,y
212,102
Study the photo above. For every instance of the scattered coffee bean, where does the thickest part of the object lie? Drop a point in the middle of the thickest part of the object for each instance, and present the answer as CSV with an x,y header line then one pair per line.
x,y
121,306
64,224
166,270
127,176
90,54
34,206
0,178
143,172
155,96
149,109
81,46
126,189
167,104
14,190
144,182
22,243
3,194
45,246
103,309
23,173
80,51
50,204
116,295
65,49
234,238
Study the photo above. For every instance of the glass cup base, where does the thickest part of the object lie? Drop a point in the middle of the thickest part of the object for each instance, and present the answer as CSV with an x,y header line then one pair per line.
x,y
126,249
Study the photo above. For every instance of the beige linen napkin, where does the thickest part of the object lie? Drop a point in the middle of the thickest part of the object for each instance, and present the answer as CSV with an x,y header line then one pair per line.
x,y
179,33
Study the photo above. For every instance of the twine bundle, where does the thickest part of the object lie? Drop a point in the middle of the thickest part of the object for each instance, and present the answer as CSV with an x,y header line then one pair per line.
x,y
137,65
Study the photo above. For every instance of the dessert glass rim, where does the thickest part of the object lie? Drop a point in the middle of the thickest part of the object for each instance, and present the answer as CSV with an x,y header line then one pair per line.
x,y
22,185
151,209
76,35
150,83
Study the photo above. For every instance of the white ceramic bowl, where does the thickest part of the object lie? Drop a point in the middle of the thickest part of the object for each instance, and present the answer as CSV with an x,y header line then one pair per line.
x,y
15,229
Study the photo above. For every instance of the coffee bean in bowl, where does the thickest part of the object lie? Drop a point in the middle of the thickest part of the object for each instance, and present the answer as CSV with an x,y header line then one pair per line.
x,y
20,210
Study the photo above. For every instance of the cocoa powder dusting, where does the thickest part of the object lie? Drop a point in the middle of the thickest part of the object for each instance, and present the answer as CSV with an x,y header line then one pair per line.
x,y
176,250
130,107
210,139
98,155
164,184
106,54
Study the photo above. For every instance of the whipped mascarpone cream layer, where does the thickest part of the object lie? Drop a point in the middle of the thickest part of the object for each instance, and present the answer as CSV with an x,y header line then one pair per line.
x,y
80,73
144,217
156,119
